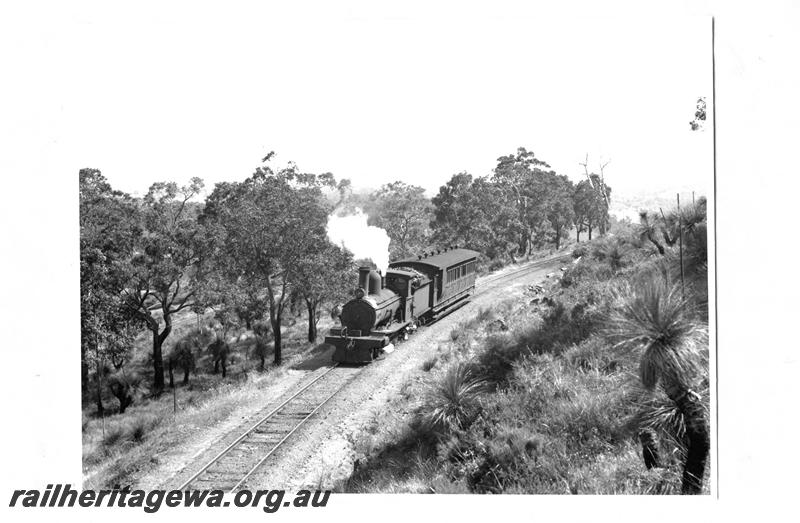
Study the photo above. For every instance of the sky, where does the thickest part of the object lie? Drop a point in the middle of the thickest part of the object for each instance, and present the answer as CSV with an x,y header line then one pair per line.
x,y
157,92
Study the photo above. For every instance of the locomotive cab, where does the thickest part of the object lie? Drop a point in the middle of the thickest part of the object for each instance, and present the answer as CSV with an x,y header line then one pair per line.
x,y
370,320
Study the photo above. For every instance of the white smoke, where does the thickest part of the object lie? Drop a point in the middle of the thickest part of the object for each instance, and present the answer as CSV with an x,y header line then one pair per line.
x,y
364,241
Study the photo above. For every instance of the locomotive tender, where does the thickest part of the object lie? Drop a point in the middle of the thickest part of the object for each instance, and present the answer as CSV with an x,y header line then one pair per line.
x,y
413,292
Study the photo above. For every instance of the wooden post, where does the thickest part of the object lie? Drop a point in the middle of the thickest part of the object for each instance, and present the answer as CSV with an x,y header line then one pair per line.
x,y
680,244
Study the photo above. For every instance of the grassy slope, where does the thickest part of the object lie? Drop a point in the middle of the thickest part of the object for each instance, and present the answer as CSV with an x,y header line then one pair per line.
x,y
134,440
544,407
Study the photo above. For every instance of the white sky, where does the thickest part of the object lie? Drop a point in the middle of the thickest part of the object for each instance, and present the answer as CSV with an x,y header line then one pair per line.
x,y
153,93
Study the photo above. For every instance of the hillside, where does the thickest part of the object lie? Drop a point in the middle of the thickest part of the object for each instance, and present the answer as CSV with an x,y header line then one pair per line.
x,y
595,383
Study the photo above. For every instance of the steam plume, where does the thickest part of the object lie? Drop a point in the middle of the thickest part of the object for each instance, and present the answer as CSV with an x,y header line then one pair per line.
x,y
364,241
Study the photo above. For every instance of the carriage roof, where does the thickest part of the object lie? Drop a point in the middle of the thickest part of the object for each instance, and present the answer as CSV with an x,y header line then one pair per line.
x,y
442,260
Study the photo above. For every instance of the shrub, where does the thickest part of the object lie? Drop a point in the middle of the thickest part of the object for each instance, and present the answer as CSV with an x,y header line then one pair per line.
x,y
430,363
496,264
485,314
453,404
580,250
141,425
505,459
124,386
592,354
114,435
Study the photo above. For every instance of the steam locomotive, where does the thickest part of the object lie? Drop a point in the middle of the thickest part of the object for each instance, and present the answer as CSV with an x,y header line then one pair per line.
x,y
414,291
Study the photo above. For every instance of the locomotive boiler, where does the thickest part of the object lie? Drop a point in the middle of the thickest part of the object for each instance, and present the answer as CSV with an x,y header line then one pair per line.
x,y
414,291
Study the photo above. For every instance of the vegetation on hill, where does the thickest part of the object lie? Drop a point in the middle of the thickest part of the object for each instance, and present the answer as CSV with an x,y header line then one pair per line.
x,y
596,383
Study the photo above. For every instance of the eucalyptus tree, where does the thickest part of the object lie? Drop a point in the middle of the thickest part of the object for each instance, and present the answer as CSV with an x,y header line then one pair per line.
x,y
590,207
520,175
264,227
109,228
164,269
558,205
453,211
326,276
405,213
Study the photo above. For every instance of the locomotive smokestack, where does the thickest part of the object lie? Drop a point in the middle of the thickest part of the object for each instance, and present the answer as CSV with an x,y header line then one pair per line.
x,y
363,278
374,282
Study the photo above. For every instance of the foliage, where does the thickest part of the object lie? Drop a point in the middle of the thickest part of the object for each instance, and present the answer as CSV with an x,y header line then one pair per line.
x,y
326,276
124,386
109,227
589,205
453,405
164,266
522,205
404,212
699,115
264,227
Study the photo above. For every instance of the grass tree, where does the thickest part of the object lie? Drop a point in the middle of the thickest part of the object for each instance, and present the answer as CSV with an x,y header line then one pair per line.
x,y
656,322
453,403
648,230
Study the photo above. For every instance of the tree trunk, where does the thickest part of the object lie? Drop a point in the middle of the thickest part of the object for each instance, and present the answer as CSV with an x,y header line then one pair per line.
x,y
84,372
171,377
699,442
590,233
158,358
524,243
100,409
697,436
276,336
98,377
656,243
224,367
312,320
186,375
649,441
124,402
578,236
558,239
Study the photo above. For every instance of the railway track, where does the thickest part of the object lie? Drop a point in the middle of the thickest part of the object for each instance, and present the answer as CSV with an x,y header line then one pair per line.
x,y
235,464
493,281
231,468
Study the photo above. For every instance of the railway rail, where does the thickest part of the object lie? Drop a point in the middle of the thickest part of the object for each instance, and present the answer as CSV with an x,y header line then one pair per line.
x,y
235,464
492,281
230,469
